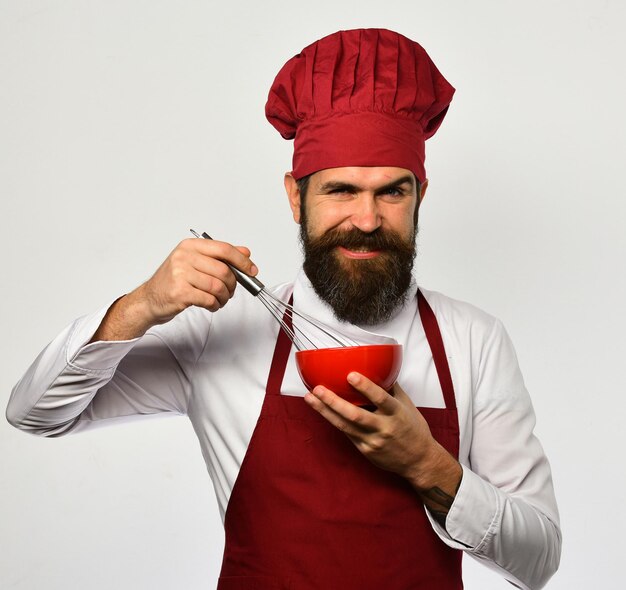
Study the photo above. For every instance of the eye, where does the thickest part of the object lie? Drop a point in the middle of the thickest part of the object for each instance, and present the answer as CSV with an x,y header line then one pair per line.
x,y
340,191
394,191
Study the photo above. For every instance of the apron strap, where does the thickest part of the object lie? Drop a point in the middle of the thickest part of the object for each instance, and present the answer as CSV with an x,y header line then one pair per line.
x,y
280,358
435,341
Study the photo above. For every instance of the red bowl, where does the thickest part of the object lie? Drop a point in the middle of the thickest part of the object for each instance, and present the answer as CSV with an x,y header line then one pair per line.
x,y
330,367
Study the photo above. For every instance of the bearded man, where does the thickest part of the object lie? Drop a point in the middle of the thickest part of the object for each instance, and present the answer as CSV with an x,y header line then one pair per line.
x,y
315,492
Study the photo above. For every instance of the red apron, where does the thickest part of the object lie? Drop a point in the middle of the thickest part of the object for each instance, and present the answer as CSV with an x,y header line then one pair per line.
x,y
308,511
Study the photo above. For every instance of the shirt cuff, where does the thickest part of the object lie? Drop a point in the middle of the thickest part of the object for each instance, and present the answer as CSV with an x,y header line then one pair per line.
x,y
97,356
474,515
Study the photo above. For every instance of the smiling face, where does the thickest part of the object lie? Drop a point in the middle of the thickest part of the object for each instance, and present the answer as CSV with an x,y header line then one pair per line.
x,y
358,228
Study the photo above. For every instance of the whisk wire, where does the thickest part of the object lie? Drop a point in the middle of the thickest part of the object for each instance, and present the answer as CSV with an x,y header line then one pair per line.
x,y
283,317
284,313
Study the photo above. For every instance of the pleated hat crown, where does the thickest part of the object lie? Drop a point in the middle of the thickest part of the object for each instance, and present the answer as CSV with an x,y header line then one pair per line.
x,y
364,97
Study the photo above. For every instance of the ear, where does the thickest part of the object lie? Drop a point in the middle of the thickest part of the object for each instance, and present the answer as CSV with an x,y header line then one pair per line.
x,y
293,194
423,187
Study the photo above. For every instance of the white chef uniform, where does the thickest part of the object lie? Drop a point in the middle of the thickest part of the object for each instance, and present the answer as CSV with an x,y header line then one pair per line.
x,y
213,368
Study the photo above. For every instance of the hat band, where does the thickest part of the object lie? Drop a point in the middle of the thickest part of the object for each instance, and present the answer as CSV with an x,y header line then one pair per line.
x,y
359,139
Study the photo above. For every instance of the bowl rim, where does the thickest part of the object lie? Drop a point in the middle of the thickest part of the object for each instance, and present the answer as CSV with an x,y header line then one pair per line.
x,y
346,348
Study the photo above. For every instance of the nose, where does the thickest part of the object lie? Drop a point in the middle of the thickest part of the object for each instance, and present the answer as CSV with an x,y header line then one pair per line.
x,y
366,215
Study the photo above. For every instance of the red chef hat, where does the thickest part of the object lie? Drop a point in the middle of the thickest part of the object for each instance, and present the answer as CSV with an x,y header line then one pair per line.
x,y
365,97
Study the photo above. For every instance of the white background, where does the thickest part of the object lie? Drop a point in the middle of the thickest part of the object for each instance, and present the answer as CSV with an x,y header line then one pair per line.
x,y
123,123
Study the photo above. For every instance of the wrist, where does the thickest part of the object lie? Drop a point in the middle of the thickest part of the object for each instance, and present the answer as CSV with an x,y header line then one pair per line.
x,y
126,319
437,480
437,469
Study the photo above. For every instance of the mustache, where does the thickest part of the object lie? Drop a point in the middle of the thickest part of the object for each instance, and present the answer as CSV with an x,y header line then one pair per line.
x,y
355,238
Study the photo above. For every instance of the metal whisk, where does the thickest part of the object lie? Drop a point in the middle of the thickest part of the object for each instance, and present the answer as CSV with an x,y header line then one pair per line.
x,y
284,313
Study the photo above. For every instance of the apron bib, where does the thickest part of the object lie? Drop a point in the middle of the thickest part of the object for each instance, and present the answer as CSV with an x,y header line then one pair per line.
x,y
309,512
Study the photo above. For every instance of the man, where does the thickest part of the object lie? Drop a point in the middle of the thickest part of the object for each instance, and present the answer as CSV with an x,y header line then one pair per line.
x,y
316,492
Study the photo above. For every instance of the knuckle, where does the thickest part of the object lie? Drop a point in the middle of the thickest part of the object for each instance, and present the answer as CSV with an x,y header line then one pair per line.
x,y
177,272
184,301
356,417
379,397
178,292
385,435
343,426
212,303
221,248
210,285
376,445
226,277
186,244
217,288
328,400
178,256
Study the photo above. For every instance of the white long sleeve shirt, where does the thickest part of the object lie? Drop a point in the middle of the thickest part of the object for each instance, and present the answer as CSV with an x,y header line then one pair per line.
x,y
213,367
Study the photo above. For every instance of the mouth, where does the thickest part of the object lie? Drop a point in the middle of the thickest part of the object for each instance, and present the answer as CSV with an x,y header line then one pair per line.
x,y
358,253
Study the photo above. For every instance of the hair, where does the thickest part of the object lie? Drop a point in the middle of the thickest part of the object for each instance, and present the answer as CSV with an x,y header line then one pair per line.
x,y
303,185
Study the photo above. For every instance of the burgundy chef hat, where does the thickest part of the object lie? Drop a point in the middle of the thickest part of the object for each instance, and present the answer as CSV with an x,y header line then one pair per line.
x,y
365,97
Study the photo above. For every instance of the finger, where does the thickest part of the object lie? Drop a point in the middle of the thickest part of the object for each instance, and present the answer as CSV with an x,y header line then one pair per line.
x,y
200,298
342,414
332,417
217,269
184,295
211,286
227,253
377,395
403,398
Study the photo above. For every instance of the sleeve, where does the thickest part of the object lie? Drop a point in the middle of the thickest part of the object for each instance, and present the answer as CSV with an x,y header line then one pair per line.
x,y
505,511
73,385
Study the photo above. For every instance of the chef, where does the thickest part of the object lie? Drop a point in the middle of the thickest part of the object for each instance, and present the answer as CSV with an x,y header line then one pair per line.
x,y
317,493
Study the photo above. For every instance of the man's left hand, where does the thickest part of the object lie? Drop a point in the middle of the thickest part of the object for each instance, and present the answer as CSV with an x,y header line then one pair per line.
x,y
395,436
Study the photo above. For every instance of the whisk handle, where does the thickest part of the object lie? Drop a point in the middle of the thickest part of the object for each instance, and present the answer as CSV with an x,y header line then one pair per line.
x,y
251,284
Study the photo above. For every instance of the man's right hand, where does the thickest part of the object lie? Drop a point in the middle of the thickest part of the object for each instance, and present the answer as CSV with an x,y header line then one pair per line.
x,y
194,273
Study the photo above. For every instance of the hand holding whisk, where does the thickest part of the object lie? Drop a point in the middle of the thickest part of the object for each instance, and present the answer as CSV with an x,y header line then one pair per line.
x,y
284,313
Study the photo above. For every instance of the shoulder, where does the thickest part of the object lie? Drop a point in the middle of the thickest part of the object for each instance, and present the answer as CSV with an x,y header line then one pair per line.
x,y
460,316
480,343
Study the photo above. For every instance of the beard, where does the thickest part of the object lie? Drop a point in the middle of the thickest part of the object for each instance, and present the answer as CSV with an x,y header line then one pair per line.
x,y
360,291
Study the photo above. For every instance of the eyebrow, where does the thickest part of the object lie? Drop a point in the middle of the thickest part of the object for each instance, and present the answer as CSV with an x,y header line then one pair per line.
x,y
333,185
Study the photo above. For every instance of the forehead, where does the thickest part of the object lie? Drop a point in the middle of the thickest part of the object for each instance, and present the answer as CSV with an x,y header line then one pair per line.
x,y
364,177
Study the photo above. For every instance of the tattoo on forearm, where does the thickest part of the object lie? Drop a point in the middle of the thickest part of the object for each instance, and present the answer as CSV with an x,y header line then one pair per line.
x,y
440,498
439,503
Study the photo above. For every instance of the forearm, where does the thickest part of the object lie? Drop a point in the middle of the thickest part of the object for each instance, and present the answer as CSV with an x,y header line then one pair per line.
x,y
126,319
57,387
504,531
437,482
73,384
